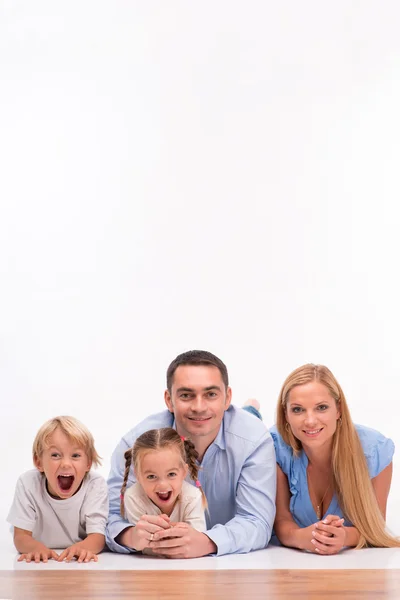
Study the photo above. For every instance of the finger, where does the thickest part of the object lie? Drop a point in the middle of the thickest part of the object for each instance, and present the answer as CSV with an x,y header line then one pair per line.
x,y
154,520
21,557
327,528
70,555
172,532
172,553
91,556
62,555
82,555
54,555
170,543
165,517
44,557
330,518
37,557
149,527
319,547
29,557
323,539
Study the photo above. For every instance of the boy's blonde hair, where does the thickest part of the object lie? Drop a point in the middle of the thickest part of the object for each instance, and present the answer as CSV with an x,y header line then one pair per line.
x,y
73,429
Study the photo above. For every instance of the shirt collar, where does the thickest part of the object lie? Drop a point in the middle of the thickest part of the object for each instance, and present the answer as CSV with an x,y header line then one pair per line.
x,y
219,440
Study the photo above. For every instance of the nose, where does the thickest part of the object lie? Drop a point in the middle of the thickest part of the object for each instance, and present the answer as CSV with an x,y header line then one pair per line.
x,y
198,404
65,462
310,418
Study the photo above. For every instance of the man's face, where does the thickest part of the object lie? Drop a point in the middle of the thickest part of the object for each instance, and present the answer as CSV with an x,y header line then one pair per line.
x,y
198,400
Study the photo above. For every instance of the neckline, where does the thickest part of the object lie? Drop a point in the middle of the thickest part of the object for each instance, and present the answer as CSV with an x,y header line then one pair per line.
x,y
333,503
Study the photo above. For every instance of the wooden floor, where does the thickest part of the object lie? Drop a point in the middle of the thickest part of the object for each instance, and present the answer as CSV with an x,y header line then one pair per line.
x,y
201,585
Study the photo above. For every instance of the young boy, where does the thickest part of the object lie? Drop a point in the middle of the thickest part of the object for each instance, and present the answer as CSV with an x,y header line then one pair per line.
x,y
61,503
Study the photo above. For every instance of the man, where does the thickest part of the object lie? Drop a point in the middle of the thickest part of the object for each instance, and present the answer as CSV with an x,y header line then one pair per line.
x,y
238,469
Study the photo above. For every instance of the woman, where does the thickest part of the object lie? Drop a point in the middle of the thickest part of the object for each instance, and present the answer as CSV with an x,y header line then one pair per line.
x,y
333,477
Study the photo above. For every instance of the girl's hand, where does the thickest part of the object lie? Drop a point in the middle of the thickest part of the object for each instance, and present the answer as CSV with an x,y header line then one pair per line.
x,y
39,555
144,530
76,551
329,538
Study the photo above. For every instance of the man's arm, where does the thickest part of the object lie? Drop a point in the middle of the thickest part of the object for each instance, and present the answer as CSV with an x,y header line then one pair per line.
x,y
251,527
116,524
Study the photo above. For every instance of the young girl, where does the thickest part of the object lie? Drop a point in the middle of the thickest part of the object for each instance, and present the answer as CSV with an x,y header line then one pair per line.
x,y
61,503
161,460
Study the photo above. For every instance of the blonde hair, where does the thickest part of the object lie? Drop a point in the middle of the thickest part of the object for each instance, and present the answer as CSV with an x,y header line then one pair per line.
x,y
75,431
158,439
352,482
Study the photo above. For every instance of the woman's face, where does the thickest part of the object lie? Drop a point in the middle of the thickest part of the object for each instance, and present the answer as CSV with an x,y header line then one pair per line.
x,y
312,414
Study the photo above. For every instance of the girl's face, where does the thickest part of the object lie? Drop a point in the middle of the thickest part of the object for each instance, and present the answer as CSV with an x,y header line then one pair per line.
x,y
312,414
161,475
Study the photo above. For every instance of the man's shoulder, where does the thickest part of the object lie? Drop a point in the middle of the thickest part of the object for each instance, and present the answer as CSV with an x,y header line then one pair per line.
x,y
156,421
240,424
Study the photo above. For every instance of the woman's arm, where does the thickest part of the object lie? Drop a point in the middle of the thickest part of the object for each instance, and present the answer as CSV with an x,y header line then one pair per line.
x,y
381,484
287,530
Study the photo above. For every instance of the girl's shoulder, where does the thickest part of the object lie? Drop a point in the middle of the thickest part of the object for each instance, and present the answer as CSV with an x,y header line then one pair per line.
x,y
378,449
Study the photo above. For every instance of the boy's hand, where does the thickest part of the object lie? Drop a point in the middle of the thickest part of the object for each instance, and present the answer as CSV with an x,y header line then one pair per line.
x,y
42,554
76,551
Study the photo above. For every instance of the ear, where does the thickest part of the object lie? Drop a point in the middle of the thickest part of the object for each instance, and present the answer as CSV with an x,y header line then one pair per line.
x,y
228,398
168,401
38,463
186,469
89,466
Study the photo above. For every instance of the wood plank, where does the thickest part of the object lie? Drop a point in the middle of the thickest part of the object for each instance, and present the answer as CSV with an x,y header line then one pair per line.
x,y
201,585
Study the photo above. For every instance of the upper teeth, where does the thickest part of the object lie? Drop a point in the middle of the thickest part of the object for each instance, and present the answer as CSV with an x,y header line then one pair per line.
x,y
313,431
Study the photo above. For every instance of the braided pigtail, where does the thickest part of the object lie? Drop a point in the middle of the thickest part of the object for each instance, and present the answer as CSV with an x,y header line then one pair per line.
x,y
191,459
128,462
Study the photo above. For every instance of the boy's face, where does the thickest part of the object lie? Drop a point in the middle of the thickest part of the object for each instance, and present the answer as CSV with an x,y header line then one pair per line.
x,y
64,465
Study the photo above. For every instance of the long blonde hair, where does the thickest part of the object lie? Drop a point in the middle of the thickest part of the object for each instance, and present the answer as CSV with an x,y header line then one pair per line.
x,y
352,482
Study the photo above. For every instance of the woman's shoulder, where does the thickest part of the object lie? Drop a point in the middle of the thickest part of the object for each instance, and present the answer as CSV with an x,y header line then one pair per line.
x,y
284,452
378,449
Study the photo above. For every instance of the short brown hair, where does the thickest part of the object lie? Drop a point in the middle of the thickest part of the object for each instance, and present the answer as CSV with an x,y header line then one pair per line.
x,y
196,357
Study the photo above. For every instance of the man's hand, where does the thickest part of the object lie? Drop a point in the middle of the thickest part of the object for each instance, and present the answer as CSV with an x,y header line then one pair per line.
x,y
182,541
140,536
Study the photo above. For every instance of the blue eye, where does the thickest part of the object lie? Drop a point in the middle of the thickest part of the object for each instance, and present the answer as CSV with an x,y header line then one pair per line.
x,y
323,407
55,455
296,409
172,474
76,455
150,477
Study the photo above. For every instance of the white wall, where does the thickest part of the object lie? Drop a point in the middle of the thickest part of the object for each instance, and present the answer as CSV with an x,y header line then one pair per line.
x,y
175,175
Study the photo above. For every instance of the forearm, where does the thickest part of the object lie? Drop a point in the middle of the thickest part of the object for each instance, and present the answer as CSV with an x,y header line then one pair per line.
x,y
352,537
125,538
94,542
26,543
293,536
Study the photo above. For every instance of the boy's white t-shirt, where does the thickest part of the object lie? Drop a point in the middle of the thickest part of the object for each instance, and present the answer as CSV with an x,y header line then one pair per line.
x,y
59,523
188,508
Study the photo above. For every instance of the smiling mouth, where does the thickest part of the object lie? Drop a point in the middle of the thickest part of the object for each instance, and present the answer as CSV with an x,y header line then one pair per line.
x,y
164,496
65,482
199,419
312,432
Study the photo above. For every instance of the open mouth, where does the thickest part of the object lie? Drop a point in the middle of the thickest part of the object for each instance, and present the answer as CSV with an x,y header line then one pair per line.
x,y
65,482
312,432
164,496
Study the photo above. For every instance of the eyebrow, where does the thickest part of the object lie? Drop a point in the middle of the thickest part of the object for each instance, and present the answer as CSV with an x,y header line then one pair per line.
x,y
206,389
167,471
317,404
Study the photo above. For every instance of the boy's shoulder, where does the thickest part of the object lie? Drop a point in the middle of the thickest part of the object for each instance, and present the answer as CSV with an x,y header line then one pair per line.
x,y
31,479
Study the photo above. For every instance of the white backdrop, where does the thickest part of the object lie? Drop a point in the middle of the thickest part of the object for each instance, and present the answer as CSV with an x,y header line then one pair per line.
x,y
175,175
